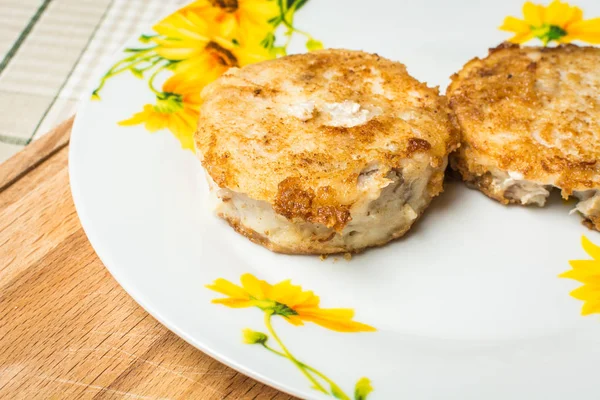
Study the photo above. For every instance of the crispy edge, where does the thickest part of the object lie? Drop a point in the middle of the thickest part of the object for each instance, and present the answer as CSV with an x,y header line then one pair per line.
x,y
481,182
436,188
294,202
592,222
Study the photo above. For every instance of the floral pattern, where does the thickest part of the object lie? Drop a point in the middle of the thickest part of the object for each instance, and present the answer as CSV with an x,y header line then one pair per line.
x,y
296,306
193,47
587,272
558,22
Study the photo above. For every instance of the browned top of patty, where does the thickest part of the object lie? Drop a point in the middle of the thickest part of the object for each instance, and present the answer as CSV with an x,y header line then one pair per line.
x,y
297,131
531,110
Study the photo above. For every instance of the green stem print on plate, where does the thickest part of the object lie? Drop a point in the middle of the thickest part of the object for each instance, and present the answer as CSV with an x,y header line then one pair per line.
x,y
295,306
194,46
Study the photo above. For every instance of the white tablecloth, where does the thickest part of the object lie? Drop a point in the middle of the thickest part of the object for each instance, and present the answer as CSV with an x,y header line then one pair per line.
x,y
48,51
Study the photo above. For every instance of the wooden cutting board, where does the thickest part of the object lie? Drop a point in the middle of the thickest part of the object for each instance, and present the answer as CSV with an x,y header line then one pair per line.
x,y
67,329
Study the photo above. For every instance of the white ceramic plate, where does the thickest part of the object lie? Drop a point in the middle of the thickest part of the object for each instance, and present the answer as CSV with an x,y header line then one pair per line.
x,y
467,306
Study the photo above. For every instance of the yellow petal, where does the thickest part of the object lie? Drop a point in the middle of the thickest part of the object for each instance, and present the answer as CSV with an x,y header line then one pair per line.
x,y
558,13
586,31
227,288
182,25
587,26
175,54
197,26
522,37
199,3
284,292
292,295
589,265
329,313
265,10
592,38
255,287
575,14
190,117
590,248
566,39
512,24
186,139
591,307
183,130
586,292
157,121
582,275
228,27
294,320
340,326
306,299
533,14
234,303
138,118
337,319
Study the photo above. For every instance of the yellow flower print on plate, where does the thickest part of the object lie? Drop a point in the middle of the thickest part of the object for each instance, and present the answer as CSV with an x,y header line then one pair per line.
x,y
194,46
296,306
588,273
176,109
558,22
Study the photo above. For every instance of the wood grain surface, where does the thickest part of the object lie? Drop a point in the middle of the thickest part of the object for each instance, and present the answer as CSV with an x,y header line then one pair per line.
x,y
67,329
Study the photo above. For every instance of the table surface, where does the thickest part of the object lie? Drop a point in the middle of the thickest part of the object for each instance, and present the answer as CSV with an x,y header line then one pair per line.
x,y
67,329
49,50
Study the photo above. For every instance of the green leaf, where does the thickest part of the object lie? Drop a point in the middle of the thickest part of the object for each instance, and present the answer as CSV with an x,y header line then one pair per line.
x,y
312,44
337,393
172,64
268,41
283,310
278,51
137,73
362,389
146,38
298,4
135,49
276,20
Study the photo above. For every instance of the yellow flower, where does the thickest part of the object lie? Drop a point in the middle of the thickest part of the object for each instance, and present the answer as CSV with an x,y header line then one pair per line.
x,y
237,19
254,337
558,22
287,300
588,273
192,40
362,389
176,109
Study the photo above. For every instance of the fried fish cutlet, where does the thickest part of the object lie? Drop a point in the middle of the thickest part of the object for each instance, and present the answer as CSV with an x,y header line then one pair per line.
x,y
327,152
530,122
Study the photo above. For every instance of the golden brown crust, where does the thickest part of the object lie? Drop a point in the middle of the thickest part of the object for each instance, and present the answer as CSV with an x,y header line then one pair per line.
x,y
482,182
294,202
532,111
285,131
592,222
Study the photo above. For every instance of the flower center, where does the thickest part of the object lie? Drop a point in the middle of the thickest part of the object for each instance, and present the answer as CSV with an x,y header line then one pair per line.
x,y
227,5
283,310
275,307
547,33
221,54
169,103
